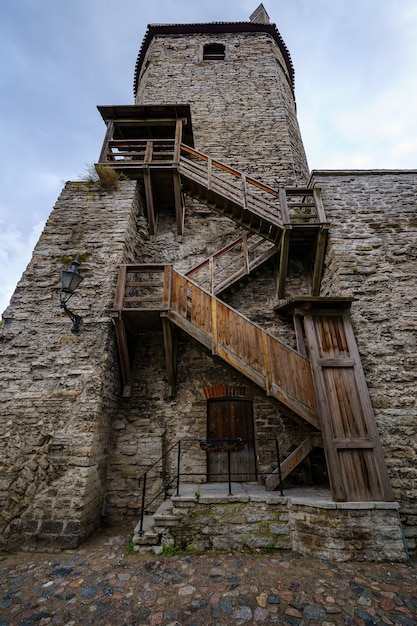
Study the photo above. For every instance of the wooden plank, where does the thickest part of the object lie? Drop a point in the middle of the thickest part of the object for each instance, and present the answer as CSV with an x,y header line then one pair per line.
x,y
120,288
289,464
319,257
178,139
244,194
356,465
299,335
209,173
335,478
267,360
319,204
353,444
190,329
284,206
124,359
336,362
214,326
283,263
179,205
104,154
170,359
149,202
166,289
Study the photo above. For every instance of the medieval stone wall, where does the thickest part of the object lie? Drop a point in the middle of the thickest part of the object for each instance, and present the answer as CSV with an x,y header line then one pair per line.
x,y
149,422
242,108
60,391
371,256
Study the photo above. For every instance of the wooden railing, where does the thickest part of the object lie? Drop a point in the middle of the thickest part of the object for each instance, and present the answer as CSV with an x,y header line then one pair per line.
x,y
289,205
285,206
252,351
232,263
139,151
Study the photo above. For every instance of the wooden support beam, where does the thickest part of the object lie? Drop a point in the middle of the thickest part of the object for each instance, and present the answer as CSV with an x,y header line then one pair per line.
x,y
214,325
120,288
284,206
170,353
123,348
283,263
299,335
177,143
267,362
319,259
149,201
319,204
103,158
290,463
179,205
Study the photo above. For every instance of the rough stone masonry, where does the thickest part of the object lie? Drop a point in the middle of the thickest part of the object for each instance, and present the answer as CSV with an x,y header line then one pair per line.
x,y
71,447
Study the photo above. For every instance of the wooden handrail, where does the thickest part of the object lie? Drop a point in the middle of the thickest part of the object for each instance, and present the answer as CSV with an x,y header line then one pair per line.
x,y
237,340
229,170
276,206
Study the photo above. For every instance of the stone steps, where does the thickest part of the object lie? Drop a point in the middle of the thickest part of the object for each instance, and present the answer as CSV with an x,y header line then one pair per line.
x,y
154,525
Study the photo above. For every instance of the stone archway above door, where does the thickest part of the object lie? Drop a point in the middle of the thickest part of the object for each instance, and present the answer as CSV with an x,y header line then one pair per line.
x,y
229,391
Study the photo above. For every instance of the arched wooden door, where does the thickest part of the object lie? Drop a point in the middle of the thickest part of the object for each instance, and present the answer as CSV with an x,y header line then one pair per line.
x,y
231,418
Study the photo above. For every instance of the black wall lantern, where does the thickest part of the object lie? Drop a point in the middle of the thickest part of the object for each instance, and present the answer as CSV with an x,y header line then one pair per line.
x,y
70,279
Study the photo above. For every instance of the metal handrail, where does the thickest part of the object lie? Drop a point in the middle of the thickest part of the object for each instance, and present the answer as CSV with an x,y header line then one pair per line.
x,y
226,445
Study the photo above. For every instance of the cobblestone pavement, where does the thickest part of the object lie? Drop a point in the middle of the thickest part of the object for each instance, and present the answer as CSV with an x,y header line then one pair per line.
x,y
100,584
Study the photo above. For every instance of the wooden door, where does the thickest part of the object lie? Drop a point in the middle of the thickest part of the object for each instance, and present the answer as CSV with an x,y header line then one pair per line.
x,y
356,466
231,419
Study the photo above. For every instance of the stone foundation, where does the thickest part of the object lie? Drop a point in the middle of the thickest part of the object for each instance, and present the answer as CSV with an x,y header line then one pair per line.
x,y
252,519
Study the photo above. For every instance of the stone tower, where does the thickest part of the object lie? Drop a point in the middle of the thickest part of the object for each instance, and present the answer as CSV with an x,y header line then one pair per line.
x,y
239,82
219,276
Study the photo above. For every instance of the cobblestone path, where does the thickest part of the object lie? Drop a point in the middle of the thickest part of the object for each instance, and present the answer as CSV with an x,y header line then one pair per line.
x,y
99,584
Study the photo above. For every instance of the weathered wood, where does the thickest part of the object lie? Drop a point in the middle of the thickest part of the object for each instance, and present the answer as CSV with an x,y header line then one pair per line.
x,y
319,204
289,464
299,335
241,344
178,140
354,456
170,356
103,158
122,344
283,264
179,205
319,256
152,219
284,206
120,288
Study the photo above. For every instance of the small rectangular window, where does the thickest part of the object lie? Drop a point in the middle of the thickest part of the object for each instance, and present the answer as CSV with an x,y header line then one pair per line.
x,y
214,52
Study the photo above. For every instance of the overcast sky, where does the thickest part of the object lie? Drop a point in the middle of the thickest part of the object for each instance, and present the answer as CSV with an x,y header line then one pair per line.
x,y
355,83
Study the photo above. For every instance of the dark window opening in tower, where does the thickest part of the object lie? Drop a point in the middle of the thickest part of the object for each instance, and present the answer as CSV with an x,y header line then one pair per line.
x,y
214,52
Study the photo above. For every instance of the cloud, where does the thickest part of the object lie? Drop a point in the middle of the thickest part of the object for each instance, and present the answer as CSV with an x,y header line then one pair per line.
x,y
15,254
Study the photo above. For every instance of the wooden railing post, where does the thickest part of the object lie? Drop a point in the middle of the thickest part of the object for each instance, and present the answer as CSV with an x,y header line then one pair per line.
x,y
319,204
245,253
103,158
177,143
284,206
214,324
209,172
166,289
148,152
244,192
211,275
120,288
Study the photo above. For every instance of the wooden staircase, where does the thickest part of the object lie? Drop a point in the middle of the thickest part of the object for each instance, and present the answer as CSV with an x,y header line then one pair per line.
x,y
234,265
225,332
293,221
291,218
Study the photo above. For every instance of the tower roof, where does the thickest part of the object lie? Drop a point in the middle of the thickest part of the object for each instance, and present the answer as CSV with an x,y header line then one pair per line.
x,y
213,28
